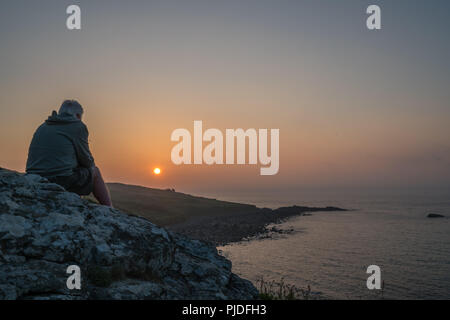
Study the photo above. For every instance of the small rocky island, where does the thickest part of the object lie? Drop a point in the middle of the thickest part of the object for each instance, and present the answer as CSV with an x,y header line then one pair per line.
x,y
435,215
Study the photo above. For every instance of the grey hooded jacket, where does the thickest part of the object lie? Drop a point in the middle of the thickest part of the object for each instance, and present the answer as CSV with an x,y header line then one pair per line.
x,y
58,146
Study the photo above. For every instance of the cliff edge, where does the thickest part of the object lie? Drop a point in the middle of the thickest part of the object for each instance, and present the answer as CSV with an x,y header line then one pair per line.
x,y
44,230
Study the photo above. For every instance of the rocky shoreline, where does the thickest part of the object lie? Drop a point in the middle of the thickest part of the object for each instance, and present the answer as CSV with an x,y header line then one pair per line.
x,y
45,232
225,229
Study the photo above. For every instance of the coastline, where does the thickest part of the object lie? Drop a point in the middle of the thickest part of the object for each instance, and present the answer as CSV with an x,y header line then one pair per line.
x,y
235,227
216,221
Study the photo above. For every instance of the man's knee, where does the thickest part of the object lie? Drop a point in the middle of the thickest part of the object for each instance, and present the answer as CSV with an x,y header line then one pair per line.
x,y
96,171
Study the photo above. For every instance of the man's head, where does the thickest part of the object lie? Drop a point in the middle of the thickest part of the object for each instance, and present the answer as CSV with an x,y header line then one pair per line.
x,y
71,107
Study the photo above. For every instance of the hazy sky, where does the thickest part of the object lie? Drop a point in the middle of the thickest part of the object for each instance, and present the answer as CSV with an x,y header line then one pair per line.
x,y
355,108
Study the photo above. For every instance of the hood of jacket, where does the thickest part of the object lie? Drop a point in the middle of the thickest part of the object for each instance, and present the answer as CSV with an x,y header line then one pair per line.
x,y
63,118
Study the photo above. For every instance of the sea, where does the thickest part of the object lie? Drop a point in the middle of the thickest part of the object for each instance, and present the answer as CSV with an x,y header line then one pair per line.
x,y
331,251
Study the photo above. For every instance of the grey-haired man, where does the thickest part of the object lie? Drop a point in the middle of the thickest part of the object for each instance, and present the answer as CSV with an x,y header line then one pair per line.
x,y
59,151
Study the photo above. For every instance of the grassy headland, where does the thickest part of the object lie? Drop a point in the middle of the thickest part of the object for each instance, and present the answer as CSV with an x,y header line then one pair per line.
x,y
201,218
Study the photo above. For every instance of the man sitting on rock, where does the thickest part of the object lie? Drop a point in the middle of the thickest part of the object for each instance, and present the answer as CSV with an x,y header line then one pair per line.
x,y
59,151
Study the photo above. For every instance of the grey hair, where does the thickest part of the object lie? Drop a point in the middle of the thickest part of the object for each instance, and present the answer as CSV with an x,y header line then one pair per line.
x,y
71,107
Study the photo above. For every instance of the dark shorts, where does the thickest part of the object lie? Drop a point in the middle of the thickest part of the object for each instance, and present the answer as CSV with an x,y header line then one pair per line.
x,y
80,182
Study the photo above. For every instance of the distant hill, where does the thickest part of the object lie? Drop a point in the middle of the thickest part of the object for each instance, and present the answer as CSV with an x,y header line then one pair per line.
x,y
164,207
219,222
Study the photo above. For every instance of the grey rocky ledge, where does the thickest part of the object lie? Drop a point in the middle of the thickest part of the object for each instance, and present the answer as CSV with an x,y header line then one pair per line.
x,y
44,229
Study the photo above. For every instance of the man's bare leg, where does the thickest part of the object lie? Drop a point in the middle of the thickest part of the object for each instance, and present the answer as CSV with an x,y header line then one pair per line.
x,y
101,192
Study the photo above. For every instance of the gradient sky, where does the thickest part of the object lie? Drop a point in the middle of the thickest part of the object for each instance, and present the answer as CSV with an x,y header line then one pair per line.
x,y
355,108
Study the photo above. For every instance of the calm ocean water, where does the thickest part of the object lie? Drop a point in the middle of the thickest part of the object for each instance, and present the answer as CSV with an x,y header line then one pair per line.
x,y
331,251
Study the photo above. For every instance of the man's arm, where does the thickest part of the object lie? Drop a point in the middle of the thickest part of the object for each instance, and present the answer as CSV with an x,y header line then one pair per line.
x,y
84,156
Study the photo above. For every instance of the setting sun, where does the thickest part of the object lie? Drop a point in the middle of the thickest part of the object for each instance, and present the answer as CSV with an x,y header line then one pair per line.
x,y
157,171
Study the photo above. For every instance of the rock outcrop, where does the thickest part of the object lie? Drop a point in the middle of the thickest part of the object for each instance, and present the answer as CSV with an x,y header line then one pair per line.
x,y
44,230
